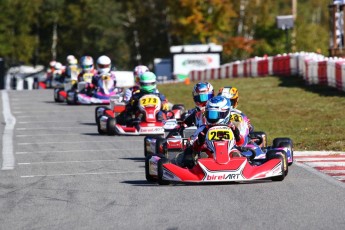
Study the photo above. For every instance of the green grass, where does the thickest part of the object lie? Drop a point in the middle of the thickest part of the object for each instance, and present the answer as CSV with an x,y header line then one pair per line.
x,y
312,116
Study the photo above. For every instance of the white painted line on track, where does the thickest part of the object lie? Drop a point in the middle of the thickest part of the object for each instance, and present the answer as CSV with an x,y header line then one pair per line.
x,y
71,151
80,174
48,134
325,164
53,128
321,159
76,142
29,122
7,138
334,171
63,162
319,153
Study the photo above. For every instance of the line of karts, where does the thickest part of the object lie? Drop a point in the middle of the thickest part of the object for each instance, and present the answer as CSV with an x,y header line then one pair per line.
x,y
165,140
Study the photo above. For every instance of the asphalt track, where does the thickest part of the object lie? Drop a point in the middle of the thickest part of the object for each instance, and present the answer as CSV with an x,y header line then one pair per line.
x,y
66,176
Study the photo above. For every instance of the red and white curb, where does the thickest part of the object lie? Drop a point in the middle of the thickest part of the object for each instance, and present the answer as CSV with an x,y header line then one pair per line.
x,y
331,163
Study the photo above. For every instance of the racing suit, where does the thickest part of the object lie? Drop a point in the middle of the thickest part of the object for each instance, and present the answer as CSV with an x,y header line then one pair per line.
x,y
132,116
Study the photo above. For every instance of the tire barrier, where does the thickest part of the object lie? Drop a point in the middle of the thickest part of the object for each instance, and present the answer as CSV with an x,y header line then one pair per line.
x,y
314,68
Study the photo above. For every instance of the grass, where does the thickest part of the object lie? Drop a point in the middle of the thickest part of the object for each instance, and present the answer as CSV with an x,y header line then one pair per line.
x,y
312,116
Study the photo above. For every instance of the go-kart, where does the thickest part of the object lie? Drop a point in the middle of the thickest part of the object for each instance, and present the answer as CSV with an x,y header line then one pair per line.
x,y
98,96
223,163
175,141
61,90
149,105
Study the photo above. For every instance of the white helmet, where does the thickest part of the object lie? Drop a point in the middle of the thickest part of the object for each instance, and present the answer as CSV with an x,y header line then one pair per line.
x,y
139,70
103,64
58,66
217,111
86,63
70,58
52,64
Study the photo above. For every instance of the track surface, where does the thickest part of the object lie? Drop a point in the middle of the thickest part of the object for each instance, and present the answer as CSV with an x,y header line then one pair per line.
x,y
66,176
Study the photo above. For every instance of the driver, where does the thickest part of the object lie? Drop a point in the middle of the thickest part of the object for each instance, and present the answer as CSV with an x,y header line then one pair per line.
x,y
238,118
131,115
217,112
137,72
202,92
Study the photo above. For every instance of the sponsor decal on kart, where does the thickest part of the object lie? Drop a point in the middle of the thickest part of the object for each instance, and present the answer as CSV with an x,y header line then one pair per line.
x,y
151,129
233,175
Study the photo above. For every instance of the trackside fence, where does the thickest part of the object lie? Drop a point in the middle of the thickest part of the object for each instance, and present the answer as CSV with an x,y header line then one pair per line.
x,y
314,68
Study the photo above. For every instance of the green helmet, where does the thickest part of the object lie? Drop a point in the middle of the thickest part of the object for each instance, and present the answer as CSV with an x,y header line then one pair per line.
x,y
148,82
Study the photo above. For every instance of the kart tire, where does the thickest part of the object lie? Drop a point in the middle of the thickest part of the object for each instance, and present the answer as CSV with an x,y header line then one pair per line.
x,y
277,141
289,145
272,154
161,146
100,131
96,115
180,107
262,136
146,151
56,95
111,126
74,100
160,163
149,178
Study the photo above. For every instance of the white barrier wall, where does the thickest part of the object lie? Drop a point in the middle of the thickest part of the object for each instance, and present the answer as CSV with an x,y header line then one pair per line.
x,y
314,68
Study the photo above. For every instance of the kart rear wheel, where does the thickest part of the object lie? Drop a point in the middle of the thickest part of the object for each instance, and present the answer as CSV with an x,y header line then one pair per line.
x,y
275,154
261,136
180,107
284,142
161,146
149,178
111,126
147,144
74,100
288,145
160,163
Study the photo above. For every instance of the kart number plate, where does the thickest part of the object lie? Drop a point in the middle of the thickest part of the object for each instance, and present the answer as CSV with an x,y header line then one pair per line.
x,y
149,101
220,134
87,77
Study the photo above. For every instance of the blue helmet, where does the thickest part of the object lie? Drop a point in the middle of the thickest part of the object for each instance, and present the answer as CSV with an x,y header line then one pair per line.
x,y
202,92
217,111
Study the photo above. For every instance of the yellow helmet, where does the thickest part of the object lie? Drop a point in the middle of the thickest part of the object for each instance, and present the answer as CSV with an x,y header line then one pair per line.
x,y
230,93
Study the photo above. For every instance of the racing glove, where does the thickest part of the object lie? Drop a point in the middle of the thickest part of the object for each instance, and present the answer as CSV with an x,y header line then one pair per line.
x,y
236,132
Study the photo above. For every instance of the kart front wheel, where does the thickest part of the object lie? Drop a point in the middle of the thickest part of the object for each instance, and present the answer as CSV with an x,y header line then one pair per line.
x,y
275,154
160,163
111,126
149,178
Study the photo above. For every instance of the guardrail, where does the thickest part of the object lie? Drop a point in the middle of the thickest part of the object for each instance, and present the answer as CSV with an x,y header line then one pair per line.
x,y
314,68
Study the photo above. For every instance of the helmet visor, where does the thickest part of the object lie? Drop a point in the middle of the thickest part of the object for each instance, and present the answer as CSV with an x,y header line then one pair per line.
x,y
147,83
86,66
103,66
202,97
213,116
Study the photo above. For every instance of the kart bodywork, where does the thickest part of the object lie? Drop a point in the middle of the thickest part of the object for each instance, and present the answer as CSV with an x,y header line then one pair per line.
x,y
223,165
149,105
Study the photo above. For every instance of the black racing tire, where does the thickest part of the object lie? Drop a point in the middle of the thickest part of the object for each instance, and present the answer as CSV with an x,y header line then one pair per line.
x,y
288,145
161,146
262,136
100,131
111,126
180,107
272,154
96,109
56,95
278,140
74,100
149,178
146,152
160,163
